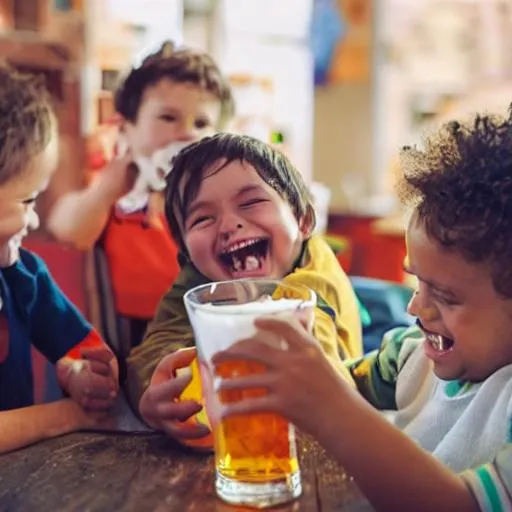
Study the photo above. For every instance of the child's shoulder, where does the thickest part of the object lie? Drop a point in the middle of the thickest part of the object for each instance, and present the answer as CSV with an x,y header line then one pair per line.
x,y
318,257
32,263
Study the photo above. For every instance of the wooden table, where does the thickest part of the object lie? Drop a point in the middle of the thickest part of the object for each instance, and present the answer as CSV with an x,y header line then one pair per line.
x,y
100,472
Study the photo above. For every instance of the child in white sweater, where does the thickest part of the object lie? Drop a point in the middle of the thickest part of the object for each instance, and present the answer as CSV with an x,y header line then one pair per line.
x,y
449,379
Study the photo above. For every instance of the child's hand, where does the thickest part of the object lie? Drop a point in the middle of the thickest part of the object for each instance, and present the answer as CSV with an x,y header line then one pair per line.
x,y
300,380
119,175
92,381
80,419
160,406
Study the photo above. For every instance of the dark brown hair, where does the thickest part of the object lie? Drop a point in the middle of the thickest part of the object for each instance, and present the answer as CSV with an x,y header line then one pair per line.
x,y
26,120
190,165
460,185
181,66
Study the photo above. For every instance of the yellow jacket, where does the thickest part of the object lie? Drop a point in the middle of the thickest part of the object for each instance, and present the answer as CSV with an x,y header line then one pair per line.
x,y
337,324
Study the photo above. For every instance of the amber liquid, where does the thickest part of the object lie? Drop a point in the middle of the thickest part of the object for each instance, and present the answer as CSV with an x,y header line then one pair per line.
x,y
254,448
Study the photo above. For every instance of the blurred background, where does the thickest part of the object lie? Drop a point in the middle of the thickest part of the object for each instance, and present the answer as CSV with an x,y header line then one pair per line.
x,y
339,85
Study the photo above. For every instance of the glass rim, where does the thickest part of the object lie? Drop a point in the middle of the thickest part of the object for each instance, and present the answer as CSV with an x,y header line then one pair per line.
x,y
187,297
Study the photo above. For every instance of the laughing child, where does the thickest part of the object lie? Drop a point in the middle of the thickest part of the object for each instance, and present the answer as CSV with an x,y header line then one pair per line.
x,y
237,208
449,379
176,96
33,310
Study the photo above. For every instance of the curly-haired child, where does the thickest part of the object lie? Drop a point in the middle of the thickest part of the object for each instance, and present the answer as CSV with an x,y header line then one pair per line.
x,y
449,378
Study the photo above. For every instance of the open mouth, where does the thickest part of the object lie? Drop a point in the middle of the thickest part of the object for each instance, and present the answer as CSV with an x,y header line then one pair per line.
x,y
246,255
437,342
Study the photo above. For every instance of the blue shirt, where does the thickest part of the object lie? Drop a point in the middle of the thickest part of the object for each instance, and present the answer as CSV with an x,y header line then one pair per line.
x,y
34,312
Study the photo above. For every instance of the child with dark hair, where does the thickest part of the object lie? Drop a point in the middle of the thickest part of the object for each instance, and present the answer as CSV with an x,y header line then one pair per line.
x,y
175,96
449,378
33,310
237,209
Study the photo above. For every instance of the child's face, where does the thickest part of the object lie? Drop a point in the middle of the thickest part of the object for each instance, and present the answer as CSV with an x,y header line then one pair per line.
x,y
18,195
238,226
456,299
172,112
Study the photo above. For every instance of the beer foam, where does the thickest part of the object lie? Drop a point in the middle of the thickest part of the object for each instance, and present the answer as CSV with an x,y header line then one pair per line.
x,y
217,327
260,307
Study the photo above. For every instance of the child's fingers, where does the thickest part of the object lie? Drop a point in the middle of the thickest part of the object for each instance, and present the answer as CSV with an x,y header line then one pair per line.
x,y
253,349
289,329
98,386
167,367
103,354
258,381
96,404
169,390
180,430
100,368
265,403
177,411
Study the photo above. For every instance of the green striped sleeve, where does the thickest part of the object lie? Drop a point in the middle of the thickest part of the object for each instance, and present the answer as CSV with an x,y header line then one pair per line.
x,y
491,484
375,374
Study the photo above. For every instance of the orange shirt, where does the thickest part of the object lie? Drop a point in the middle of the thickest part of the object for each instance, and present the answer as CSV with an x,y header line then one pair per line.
x,y
143,262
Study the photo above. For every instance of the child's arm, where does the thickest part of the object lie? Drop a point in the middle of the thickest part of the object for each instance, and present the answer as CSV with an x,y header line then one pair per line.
x,y
393,472
375,374
80,217
169,331
86,367
21,427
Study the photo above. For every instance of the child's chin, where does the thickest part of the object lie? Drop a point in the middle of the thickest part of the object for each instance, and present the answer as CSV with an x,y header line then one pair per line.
x,y
9,254
444,373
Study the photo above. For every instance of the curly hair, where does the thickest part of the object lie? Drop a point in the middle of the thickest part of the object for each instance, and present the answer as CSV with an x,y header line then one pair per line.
x,y
190,165
181,66
26,120
460,185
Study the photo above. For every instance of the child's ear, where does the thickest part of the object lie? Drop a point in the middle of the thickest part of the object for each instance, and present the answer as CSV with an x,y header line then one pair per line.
x,y
307,223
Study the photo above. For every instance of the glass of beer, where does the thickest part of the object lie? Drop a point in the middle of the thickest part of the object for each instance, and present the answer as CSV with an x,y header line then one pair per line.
x,y
255,454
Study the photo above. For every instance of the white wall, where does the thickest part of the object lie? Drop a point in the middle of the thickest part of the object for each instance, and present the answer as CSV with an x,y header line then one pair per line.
x,y
269,39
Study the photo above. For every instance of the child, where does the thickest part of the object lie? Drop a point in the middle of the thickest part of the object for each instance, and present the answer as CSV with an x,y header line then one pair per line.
x,y
237,208
32,308
449,378
174,96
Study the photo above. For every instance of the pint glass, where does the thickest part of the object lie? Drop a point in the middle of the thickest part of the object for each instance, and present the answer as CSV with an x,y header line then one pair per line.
x,y
255,454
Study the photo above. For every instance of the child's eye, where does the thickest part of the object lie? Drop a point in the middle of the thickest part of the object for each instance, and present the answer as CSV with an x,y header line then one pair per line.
x,y
199,220
168,118
445,301
252,202
28,202
202,123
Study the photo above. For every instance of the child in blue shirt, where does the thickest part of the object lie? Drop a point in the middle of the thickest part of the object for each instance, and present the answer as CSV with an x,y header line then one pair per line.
x,y
33,310
447,444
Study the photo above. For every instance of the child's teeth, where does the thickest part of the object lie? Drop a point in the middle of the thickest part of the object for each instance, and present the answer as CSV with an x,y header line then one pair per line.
x,y
251,263
438,342
237,264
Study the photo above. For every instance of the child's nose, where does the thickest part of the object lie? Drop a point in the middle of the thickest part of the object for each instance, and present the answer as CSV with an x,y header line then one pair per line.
x,y
188,131
229,226
422,309
32,219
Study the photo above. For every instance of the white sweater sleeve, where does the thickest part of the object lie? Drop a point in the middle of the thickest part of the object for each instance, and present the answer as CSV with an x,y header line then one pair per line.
x,y
491,484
